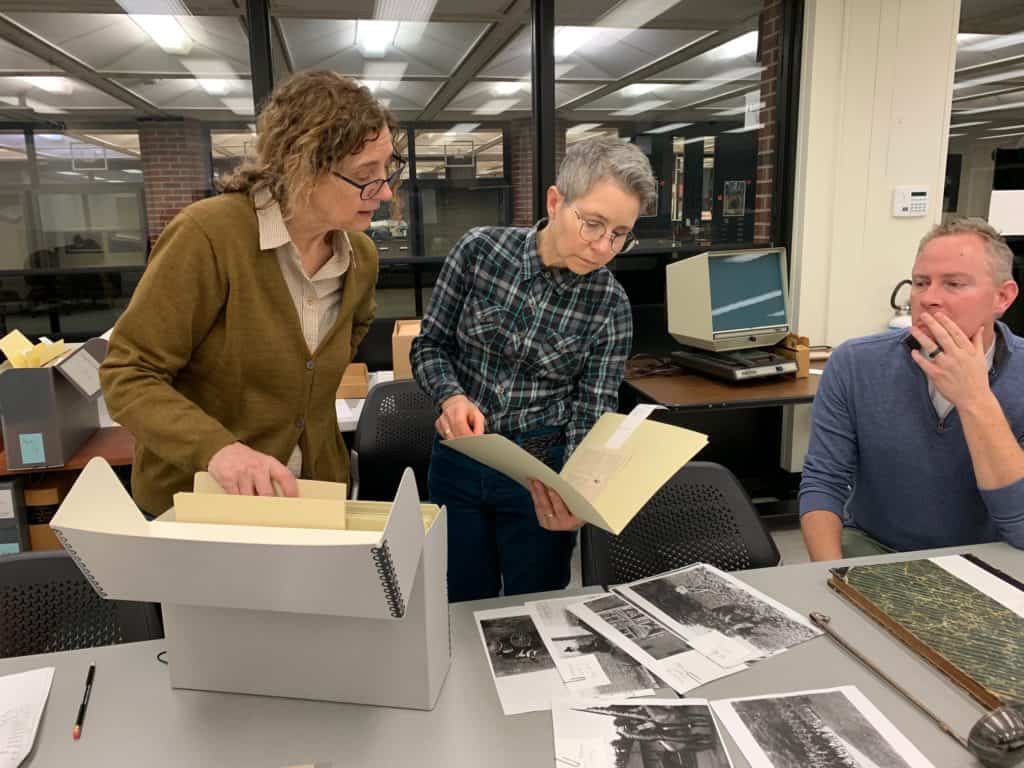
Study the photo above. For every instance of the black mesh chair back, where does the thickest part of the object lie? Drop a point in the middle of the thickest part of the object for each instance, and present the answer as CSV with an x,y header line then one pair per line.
x,y
702,514
47,605
395,431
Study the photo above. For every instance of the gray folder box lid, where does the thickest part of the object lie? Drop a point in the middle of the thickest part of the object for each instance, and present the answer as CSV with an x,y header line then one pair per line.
x,y
82,367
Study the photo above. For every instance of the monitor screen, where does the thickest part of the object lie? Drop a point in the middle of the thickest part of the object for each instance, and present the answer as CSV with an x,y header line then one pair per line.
x,y
746,291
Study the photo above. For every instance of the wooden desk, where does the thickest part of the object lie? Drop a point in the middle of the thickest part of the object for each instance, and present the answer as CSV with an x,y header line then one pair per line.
x,y
693,392
115,444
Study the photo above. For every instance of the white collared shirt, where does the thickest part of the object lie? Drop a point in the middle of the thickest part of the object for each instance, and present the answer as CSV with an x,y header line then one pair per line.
x,y
318,298
942,405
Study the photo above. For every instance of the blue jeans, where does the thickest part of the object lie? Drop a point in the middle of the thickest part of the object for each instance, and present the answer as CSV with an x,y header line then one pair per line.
x,y
494,539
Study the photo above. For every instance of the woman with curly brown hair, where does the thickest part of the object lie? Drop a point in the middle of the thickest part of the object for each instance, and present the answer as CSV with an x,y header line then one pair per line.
x,y
228,357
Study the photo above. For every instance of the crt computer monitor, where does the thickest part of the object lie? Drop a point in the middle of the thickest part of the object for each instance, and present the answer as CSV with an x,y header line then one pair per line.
x,y
727,300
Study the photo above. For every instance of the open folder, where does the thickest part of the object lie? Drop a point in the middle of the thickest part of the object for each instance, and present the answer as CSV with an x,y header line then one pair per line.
x,y
614,471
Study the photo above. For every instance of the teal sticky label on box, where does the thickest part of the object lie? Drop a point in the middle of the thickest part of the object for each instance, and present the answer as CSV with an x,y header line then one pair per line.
x,y
32,450
10,548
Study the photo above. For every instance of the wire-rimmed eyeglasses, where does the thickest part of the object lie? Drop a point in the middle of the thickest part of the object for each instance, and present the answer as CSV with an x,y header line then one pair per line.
x,y
370,189
594,231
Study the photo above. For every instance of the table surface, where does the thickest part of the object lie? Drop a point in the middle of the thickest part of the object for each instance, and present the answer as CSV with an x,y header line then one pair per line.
x,y
115,444
135,718
691,391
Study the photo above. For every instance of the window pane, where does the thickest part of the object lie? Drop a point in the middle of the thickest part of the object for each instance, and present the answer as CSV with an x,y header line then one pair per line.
x,y
461,182
694,87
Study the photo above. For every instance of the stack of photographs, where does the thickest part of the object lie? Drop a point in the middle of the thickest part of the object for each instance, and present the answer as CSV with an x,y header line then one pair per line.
x,y
679,630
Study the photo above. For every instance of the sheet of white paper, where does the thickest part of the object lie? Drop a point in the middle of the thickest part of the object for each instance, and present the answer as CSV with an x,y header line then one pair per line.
x,y
988,584
584,671
629,425
724,651
22,699
833,726
524,674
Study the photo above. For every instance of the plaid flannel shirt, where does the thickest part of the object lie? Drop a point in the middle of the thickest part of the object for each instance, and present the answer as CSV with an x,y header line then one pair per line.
x,y
531,346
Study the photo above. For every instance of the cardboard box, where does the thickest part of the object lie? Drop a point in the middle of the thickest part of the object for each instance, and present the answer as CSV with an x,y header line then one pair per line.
x,y
41,538
49,491
401,344
357,615
355,382
49,412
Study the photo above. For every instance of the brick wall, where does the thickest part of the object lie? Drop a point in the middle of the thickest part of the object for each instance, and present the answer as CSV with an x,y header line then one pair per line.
x,y
770,36
176,168
521,167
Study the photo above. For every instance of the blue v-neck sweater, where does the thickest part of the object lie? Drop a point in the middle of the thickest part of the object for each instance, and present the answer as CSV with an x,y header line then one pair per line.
x,y
881,459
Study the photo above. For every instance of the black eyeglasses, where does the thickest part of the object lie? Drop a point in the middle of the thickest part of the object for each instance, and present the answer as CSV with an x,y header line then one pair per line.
x,y
593,231
371,189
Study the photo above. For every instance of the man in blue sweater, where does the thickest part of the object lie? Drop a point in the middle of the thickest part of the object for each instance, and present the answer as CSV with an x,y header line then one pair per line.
x,y
921,448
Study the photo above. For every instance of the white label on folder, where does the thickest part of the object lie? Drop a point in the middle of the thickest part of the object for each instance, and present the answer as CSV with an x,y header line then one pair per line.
x,y
592,469
84,372
6,505
629,425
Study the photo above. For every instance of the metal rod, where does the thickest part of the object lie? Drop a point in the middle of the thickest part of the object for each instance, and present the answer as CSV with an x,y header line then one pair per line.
x,y
823,621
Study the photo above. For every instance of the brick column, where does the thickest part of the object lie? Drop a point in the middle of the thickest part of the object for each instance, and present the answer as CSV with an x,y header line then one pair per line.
x,y
521,167
176,167
770,42
521,170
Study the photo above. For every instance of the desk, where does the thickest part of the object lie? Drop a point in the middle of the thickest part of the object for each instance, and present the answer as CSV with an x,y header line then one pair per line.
x,y
135,718
693,392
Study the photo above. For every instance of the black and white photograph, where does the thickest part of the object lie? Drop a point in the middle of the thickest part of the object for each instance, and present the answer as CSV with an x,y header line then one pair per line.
x,y
832,728
711,608
590,665
637,733
514,645
650,643
524,673
644,630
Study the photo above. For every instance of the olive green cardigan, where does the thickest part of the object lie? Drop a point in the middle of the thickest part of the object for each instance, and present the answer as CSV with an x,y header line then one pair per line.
x,y
210,351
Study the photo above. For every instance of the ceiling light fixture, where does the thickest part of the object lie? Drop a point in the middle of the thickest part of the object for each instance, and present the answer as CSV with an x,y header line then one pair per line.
x,y
165,31
60,85
215,86
569,39
375,36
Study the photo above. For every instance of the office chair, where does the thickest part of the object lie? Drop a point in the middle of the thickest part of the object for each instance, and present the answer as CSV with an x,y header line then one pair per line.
x,y
395,431
47,605
702,514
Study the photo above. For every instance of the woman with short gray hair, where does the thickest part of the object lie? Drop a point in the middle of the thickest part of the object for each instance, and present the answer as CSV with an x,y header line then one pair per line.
x,y
527,336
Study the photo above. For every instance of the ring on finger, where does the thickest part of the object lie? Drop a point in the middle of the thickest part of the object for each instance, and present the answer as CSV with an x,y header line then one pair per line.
x,y
934,353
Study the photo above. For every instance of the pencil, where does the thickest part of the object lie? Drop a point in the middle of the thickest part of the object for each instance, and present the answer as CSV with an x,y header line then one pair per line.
x,y
76,732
